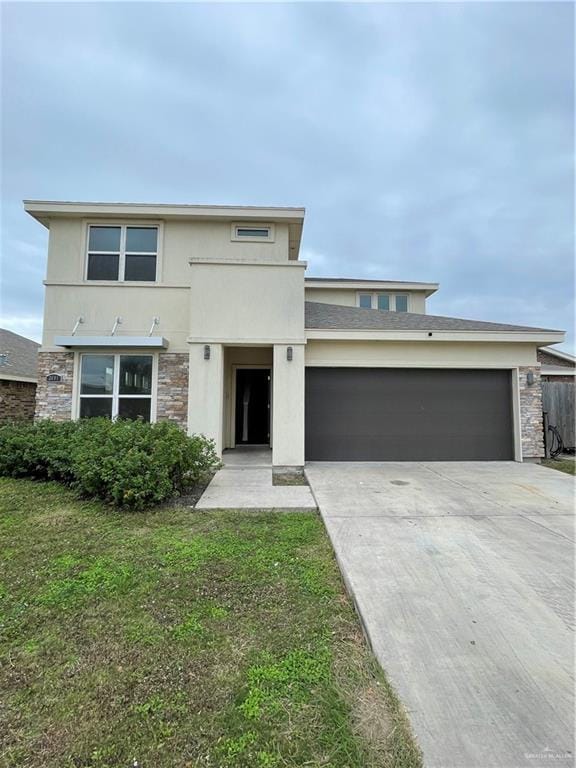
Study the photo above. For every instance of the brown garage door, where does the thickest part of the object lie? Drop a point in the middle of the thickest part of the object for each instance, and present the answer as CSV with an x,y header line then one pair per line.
x,y
408,414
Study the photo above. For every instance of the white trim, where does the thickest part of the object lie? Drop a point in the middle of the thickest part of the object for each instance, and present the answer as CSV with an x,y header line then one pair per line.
x,y
369,286
124,224
558,371
242,342
558,353
546,337
516,414
23,379
236,238
46,208
248,262
145,342
115,396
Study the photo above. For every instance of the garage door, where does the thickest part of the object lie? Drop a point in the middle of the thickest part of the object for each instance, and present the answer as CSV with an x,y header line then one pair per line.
x,y
407,414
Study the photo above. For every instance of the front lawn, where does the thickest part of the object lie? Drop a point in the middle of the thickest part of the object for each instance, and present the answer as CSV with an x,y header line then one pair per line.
x,y
563,465
181,638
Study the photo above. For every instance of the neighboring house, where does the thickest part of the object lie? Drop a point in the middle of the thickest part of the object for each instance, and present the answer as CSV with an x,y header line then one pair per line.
x,y
556,365
18,363
558,371
203,315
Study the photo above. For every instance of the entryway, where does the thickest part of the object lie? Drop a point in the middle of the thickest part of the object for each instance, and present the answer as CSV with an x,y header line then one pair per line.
x,y
252,406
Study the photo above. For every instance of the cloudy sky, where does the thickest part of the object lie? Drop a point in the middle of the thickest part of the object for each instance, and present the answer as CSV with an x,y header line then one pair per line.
x,y
427,141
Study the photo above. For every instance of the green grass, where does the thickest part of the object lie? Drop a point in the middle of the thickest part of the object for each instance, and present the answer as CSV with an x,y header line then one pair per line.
x,y
563,465
181,638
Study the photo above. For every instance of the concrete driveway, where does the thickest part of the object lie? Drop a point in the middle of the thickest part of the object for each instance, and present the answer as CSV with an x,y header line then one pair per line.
x,y
463,574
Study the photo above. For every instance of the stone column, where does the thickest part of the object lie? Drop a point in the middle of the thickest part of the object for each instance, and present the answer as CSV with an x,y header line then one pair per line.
x,y
172,392
54,398
531,413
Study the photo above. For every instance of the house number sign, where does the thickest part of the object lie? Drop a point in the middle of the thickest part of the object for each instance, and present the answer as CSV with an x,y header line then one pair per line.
x,y
53,377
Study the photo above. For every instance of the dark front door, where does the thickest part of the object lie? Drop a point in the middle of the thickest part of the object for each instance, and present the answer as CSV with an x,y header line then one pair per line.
x,y
410,414
252,406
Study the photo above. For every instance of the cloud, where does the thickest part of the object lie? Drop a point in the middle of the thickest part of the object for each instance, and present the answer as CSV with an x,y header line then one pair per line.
x,y
428,141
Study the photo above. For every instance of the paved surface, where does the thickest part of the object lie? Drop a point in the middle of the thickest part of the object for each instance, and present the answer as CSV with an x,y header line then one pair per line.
x,y
463,574
238,487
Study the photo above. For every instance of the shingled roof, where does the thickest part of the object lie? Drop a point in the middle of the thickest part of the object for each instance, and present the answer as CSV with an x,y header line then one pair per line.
x,y
337,317
18,356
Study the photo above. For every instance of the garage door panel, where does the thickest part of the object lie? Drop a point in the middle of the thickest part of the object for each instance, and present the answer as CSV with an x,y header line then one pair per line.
x,y
379,414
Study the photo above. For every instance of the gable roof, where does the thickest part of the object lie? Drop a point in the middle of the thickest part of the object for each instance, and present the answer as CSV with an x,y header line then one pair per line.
x,y
21,357
337,317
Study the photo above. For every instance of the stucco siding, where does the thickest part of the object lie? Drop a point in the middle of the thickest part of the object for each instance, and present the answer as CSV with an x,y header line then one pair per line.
x,y
415,353
247,302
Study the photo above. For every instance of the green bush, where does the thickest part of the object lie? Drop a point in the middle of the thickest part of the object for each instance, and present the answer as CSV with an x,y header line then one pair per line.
x,y
38,450
127,463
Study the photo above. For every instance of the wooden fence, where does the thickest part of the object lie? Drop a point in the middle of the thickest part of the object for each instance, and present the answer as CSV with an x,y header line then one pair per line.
x,y
558,399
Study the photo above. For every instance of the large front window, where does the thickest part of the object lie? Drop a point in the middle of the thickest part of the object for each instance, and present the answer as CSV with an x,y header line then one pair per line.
x,y
122,253
116,386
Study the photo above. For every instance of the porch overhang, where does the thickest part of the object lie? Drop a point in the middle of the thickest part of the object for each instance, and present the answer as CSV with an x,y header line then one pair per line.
x,y
114,342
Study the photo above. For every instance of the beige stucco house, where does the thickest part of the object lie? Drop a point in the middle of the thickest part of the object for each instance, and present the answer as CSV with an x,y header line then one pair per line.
x,y
204,315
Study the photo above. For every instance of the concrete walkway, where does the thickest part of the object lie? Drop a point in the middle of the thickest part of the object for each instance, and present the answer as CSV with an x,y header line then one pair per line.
x,y
245,482
463,574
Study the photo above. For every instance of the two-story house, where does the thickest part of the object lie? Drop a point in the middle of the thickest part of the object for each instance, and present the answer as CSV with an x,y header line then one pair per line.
x,y
203,315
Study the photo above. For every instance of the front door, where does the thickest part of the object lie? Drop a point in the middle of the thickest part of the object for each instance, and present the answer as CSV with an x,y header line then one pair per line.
x,y
253,406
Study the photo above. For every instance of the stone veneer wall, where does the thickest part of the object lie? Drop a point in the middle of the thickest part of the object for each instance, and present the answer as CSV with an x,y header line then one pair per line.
x,y
54,398
531,414
172,400
17,400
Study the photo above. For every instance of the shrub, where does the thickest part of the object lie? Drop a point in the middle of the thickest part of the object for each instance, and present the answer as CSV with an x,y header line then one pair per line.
x,y
128,463
39,450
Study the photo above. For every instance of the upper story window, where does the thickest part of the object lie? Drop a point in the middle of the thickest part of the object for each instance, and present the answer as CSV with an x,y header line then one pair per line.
x,y
122,252
401,303
254,233
365,300
386,302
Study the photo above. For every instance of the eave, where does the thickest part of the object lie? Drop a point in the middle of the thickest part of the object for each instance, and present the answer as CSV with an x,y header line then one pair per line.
x,y
540,338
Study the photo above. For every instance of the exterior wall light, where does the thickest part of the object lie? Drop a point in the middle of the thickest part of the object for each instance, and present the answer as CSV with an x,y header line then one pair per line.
x,y
289,354
206,351
530,378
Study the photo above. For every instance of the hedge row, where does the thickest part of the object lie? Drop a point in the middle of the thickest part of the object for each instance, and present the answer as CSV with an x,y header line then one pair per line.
x,y
127,463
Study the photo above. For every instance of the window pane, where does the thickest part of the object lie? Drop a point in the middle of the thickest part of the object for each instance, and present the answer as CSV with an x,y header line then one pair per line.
x,y
366,300
140,268
102,267
401,303
104,239
246,232
383,302
142,239
97,375
134,408
135,375
95,406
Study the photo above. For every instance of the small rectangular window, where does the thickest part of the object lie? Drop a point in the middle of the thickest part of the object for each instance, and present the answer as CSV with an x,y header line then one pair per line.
x,y
401,303
383,301
122,253
254,232
365,300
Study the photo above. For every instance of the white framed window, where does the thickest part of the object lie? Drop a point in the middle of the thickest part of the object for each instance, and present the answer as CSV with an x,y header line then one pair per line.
x,y
117,386
253,233
385,302
122,252
365,300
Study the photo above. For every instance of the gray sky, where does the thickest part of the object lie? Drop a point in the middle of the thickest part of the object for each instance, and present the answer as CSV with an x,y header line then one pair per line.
x,y
427,141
